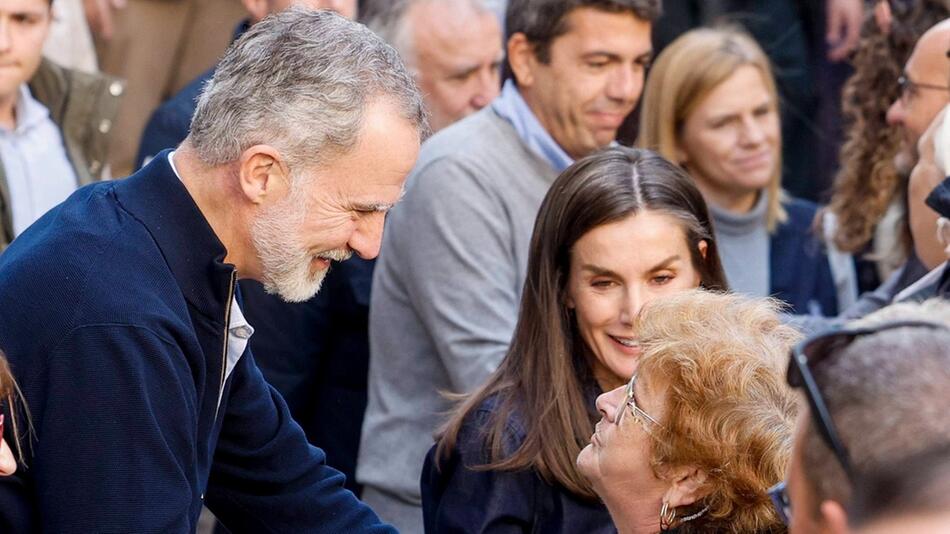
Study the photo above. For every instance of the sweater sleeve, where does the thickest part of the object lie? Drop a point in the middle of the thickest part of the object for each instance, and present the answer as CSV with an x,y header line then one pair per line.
x,y
459,269
114,421
267,478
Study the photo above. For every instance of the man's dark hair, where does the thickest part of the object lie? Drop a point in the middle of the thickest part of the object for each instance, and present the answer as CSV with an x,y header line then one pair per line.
x,y
919,485
543,21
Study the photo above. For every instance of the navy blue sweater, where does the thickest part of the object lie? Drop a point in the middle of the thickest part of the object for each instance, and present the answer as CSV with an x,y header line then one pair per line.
x,y
115,309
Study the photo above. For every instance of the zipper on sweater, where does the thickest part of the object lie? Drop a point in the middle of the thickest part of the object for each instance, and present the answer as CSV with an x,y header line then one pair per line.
x,y
224,349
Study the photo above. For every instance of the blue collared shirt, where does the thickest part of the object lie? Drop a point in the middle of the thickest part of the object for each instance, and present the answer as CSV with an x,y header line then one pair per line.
x,y
38,171
510,105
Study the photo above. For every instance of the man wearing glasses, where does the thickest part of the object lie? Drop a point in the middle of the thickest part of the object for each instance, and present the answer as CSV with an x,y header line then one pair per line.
x,y
876,394
925,90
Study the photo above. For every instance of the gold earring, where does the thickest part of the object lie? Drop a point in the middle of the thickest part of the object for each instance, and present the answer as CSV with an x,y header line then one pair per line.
x,y
667,516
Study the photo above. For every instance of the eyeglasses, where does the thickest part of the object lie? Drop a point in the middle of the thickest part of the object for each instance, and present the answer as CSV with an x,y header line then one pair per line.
x,y
630,401
909,88
807,354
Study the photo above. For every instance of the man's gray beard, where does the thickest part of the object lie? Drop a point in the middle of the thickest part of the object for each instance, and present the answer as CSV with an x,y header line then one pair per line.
x,y
285,265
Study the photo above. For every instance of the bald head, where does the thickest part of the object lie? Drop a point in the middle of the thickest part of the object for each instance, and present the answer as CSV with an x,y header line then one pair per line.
x,y
926,91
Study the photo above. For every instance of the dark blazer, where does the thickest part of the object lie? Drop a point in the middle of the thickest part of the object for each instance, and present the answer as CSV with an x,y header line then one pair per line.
x,y
800,273
459,499
121,300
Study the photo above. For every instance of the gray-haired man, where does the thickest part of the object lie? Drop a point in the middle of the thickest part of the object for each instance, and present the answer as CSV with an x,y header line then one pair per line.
x,y
132,352
452,47
448,284
885,396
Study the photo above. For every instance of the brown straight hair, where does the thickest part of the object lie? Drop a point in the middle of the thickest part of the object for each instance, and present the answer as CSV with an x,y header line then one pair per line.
x,y
544,373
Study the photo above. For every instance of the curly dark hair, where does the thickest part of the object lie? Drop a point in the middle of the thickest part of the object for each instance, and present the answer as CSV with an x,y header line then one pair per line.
x,y
867,181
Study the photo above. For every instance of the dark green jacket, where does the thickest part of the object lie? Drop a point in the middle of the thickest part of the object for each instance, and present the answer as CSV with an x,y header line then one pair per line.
x,y
84,107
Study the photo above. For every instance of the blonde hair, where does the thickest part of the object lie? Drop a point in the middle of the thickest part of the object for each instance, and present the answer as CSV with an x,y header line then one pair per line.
x,y
683,75
728,411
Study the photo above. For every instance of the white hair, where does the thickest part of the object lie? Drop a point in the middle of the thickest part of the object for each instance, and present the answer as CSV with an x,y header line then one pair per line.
x,y
388,19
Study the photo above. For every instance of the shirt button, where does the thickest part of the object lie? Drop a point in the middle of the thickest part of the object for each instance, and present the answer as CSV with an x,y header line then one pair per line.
x,y
242,332
116,89
105,126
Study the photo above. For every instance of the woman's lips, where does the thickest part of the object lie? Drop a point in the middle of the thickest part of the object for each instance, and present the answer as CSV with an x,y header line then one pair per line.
x,y
754,161
628,345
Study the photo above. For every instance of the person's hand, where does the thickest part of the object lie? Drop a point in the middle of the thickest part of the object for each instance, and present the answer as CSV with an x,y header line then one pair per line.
x,y
844,27
99,16
883,16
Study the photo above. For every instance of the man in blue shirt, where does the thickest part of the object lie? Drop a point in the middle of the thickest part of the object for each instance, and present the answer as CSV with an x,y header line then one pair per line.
x,y
129,339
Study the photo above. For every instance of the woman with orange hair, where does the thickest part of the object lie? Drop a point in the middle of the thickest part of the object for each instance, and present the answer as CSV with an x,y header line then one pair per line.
x,y
704,427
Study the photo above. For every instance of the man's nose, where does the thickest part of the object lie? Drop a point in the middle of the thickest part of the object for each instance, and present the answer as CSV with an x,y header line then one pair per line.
x,y
366,239
625,84
486,88
895,113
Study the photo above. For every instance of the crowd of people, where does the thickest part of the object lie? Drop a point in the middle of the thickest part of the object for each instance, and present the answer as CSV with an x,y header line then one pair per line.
x,y
643,266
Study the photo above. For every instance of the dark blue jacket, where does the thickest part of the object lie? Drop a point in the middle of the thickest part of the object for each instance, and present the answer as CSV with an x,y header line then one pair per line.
x,y
459,499
800,273
117,302
315,353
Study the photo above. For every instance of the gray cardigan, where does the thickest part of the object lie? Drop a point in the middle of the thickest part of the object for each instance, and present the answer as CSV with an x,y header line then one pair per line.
x,y
446,289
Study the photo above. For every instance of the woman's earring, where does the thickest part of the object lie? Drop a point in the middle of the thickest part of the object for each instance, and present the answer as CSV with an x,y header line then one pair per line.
x,y
667,516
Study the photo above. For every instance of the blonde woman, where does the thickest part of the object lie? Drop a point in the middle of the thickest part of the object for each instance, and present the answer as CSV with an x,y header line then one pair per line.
x,y
704,427
711,105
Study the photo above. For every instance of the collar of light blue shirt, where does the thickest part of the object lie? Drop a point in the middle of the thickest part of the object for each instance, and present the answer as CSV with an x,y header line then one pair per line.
x,y
29,111
511,106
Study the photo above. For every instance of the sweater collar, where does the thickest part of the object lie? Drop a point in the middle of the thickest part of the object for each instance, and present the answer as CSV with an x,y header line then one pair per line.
x,y
194,254
511,106
731,223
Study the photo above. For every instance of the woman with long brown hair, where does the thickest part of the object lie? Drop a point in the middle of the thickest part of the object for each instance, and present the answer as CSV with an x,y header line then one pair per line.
x,y
616,230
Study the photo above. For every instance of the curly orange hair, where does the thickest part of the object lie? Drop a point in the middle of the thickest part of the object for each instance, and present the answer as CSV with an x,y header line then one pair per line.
x,y
729,411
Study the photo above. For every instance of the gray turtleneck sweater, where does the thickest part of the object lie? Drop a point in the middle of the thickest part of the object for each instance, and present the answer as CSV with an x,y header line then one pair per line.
x,y
743,241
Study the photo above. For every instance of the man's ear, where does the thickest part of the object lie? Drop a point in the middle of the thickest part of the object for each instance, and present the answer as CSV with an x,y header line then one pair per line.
x,y
257,9
522,59
834,519
687,486
262,174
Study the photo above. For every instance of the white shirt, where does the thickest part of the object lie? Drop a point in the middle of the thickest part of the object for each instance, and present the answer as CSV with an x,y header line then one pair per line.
x,y
239,330
38,171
